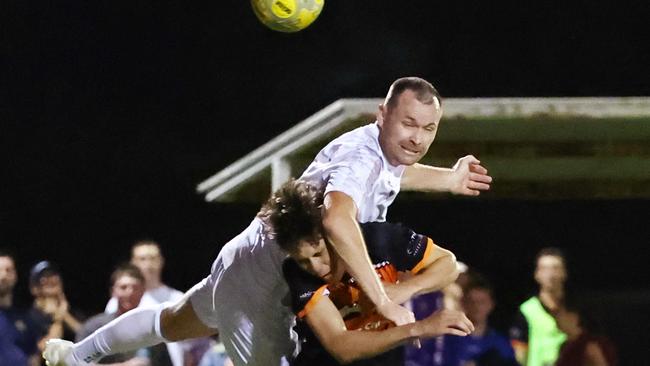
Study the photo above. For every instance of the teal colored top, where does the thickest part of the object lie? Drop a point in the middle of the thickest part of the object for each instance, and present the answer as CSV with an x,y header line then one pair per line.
x,y
544,337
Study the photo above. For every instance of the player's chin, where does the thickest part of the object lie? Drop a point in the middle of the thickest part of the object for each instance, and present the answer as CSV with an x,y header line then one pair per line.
x,y
410,159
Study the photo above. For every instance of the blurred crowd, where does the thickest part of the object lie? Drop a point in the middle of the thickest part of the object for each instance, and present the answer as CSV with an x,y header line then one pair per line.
x,y
24,331
552,327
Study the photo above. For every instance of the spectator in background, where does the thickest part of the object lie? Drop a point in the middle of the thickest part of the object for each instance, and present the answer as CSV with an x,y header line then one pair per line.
x,y
585,344
51,308
430,351
127,287
147,256
18,332
485,346
535,336
216,355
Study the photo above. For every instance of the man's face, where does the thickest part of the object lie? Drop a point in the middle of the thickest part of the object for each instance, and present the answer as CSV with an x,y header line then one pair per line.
x,y
8,275
314,257
550,272
408,128
478,304
128,291
148,259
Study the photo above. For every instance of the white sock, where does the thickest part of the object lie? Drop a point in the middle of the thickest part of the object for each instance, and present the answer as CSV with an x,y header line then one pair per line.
x,y
132,330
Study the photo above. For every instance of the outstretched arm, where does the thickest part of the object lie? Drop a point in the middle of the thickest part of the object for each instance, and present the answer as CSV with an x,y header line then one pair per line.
x,y
467,177
349,345
343,233
435,272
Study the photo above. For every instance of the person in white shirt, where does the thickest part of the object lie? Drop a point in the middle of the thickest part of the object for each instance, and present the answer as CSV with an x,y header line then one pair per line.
x,y
242,299
147,256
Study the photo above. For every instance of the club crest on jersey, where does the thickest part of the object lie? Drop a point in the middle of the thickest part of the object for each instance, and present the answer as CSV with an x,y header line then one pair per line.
x,y
415,244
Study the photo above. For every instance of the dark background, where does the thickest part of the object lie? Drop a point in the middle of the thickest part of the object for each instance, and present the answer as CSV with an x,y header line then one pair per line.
x,y
112,111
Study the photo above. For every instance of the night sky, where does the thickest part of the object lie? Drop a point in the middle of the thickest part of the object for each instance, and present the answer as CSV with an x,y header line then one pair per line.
x,y
112,111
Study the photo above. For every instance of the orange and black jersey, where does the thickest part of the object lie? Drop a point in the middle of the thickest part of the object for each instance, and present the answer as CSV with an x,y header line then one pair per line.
x,y
392,248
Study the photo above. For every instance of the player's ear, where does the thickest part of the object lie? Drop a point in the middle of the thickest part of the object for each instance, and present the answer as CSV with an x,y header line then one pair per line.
x,y
381,114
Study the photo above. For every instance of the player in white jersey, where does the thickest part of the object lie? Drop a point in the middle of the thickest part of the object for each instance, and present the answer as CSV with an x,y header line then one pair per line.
x,y
361,172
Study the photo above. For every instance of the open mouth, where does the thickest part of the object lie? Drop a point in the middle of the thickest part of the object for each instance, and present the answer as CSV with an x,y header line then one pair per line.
x,y
410,151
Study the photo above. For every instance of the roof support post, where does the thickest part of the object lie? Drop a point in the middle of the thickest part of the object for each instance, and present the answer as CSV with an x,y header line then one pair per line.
x,y
280,172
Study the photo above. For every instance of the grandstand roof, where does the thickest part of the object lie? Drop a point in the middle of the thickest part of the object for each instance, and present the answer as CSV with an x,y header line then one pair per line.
x,y
535,148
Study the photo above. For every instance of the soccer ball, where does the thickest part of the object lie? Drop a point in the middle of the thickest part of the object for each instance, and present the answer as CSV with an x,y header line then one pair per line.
x,y
287,15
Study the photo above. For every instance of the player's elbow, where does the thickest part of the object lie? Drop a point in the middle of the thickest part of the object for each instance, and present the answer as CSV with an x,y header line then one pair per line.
x,y
452,270
343,348
343,353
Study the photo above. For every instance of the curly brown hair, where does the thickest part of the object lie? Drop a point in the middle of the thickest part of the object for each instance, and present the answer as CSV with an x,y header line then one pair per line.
x,y
294,213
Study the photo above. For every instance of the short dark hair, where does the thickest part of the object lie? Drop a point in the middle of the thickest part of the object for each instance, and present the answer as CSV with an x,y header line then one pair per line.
x,y
294,213
145,241
479,282
7,253
551,251
424,91
126,269
42,269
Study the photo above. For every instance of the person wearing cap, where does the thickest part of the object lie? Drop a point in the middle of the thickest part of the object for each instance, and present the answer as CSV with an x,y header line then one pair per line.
x,y
51,308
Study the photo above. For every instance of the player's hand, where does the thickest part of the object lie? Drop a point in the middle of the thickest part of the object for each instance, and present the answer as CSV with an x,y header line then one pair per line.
x,y
446,322
403,315
469,177
396,313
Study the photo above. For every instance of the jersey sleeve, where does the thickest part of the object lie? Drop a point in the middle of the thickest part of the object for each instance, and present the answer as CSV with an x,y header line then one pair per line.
x,y
353,172
305,289
398,244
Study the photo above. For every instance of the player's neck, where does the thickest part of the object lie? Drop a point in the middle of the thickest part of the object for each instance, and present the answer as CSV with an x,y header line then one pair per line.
x,y
153,284
551,298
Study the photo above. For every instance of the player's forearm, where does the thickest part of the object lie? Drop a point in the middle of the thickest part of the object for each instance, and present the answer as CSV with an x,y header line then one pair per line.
x,y
343,233
71,322
420,177
435,276
352,345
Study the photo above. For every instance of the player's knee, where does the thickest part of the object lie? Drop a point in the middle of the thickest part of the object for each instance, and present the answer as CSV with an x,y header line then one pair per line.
x,y
169,324
179,322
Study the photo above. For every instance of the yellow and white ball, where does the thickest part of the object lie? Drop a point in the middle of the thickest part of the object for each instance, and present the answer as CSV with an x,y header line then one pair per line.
x,y
287,15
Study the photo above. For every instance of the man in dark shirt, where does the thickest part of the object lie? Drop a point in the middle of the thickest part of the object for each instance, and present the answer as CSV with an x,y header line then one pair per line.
x,y
18,332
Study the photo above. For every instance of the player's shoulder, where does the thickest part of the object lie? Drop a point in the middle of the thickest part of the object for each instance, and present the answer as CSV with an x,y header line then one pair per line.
x,y
362,140
385,232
